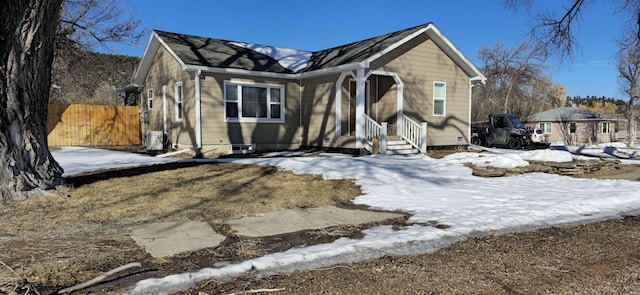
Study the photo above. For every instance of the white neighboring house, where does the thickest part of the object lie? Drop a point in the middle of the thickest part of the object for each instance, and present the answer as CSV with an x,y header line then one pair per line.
x,y
575,125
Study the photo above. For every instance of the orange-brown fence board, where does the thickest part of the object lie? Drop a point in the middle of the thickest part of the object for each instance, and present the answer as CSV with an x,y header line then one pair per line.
x,y
93,125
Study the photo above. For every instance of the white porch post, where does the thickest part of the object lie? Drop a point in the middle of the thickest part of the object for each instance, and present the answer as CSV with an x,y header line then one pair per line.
x,y
343,75
360,101
399,96
383,138
198,75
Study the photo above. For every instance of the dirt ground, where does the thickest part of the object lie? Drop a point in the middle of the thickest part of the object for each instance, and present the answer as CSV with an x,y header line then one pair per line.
x,y
52,243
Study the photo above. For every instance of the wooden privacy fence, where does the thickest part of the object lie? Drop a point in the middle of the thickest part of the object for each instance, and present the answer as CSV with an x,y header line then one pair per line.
x,y
93,125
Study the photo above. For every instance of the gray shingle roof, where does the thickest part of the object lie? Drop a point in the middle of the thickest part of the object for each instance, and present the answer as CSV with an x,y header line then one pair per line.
x,y
357,51
215,55
210,52
570,114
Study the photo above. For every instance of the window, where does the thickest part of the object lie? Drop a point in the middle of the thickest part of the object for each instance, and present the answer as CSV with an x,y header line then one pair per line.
x,y
253,102
606,127
439,98
546,127
179,104
150,99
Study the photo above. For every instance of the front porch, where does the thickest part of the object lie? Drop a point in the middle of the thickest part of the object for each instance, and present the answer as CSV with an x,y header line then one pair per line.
x,y
376,123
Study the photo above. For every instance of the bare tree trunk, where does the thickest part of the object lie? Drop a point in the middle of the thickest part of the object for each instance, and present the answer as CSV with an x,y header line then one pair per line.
x,y
632,132
27,35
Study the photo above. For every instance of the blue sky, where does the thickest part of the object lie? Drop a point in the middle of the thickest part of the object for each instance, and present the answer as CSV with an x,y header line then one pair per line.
x,y
320,24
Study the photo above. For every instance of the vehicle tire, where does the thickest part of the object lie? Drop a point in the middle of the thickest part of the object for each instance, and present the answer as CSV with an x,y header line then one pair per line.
x,y
515,144
476,140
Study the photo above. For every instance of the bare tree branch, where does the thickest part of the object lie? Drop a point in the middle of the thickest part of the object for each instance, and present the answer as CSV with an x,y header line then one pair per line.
x,y
88,23
555,30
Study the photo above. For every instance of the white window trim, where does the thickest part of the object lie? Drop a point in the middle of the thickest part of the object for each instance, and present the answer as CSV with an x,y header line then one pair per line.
x,y
444,100
269,86
608,124
544,129
150,101
179,111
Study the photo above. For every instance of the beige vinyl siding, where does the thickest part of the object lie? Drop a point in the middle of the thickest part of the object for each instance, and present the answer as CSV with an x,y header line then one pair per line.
x,y
384,93
166,71
218,134
319,109
419,64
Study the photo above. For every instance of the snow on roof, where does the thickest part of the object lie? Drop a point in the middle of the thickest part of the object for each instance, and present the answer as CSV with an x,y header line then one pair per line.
x,y
291,59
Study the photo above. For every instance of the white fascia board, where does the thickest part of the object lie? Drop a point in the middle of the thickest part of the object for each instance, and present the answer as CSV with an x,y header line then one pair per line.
x,y
397,44
435,34
171,52
335,70
147,59
238,72
453,51
327,71
148,56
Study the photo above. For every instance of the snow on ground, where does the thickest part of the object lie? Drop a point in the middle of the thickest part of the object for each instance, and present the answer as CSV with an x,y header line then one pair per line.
x,y
76,160
435,191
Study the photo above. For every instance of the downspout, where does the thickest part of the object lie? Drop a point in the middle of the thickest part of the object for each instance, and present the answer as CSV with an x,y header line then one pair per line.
x,y
360,97
198,113
164,111
471,84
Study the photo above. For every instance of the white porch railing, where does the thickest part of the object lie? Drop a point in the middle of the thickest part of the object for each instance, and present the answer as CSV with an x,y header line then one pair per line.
x,y
414,133
374,130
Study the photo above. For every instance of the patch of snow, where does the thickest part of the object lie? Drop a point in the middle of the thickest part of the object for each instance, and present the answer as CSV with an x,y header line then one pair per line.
x,y
291,59
547,155
485,160
435,191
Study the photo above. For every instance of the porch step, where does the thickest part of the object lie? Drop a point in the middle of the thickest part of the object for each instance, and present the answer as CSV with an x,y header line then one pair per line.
x,y
398,146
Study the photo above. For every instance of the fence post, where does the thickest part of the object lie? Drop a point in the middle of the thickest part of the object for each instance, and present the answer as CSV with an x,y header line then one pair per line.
x,y
423,137
383,139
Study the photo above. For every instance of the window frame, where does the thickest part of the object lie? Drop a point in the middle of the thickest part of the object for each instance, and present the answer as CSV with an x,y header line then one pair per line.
x,y
150,99
443,99
269,87
608,128
543,126
179,101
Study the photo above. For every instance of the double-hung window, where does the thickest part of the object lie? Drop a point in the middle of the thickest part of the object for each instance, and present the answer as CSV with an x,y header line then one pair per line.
x,y
253,102
178,102
439,98
546,127
150,99
606,127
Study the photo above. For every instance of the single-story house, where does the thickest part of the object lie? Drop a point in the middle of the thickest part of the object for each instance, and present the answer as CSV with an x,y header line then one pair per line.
x,y
211,94
575,125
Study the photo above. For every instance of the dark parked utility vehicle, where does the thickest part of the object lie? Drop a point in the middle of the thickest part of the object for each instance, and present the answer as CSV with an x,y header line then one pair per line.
x,y
501,129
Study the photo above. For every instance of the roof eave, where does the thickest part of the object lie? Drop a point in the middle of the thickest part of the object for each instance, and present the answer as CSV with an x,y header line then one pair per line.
x,y
311,74
155,41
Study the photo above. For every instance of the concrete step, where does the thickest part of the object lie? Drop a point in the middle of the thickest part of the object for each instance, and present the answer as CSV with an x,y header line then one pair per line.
x,y
404,146
402,152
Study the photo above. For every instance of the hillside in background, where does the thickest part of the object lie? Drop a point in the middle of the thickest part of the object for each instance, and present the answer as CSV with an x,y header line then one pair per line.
x,y
604,105
90,78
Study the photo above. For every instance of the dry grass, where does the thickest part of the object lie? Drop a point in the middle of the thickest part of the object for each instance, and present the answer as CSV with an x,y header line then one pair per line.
x,y
65,240
203,192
